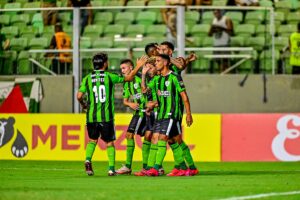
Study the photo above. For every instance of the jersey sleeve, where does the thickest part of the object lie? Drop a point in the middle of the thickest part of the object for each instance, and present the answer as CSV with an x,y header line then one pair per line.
x,y
151,84
82,87
116,78
126,93
179,83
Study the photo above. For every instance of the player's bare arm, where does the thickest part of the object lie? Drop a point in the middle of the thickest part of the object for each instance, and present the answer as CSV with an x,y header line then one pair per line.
x,y
186,102
190,58
140,62
132,105
143,85
81,101
178,62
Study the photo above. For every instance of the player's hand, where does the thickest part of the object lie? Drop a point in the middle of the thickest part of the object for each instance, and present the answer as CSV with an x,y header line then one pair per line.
x,y
189,120
159,50
141,61
134,106
192,57
145,69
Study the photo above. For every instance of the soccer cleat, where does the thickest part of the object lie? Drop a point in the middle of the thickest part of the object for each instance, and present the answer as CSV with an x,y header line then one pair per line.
x,y
143,172
112,173
161,171
152,172
174,172
182,172
88,168
192,172
124,170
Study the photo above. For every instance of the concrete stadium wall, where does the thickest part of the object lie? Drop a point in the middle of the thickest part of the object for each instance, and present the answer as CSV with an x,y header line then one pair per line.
x,y
222,94
208,94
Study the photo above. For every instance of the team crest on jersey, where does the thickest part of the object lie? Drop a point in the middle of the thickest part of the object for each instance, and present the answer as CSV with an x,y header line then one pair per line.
x,y
167,83
136,86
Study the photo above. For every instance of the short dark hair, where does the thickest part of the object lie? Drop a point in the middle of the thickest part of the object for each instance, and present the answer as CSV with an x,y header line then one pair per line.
x,y
168,44
165,56
58,27
149,46
99,59
126,60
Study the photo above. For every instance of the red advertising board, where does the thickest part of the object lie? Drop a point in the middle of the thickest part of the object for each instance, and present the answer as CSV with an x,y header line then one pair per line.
x,y
261,137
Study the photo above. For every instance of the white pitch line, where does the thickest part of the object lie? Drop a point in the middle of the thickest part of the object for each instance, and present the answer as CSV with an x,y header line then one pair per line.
x,y
257,196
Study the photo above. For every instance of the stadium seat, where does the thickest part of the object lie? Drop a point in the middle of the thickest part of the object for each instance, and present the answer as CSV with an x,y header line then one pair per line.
x,y
98,3
248,65
258,43
18,44
192,17
85,43
147,40
293,17
207,17
29,32
146,18
281,42
5,19
156,30
219,3
279,18
65,18
24,65
48,31
156,3
200,30
133,30
202,64
266,3
124,18
115,29
103,43
262,30
246,30
135,3
93,31
34,4
38,43
103,18
207,42
37,21
14,5
237,41
284,5
20,20
286,29
265,61
8,66
194,41
10,31
236,17
254,17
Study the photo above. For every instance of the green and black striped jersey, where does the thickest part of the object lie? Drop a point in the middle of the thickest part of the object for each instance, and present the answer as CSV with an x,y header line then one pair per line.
x,y
178,71
134,89
99,86
168,89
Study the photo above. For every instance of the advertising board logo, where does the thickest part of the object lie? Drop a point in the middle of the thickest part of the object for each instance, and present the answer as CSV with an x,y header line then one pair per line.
x,y
19,147
284,132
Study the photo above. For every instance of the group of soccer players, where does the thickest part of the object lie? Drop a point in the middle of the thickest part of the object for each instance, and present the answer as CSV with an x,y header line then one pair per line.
x,y
157,97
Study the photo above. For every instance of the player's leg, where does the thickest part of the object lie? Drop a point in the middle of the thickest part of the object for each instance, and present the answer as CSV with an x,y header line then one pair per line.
x,y
93,133
153,147
108,135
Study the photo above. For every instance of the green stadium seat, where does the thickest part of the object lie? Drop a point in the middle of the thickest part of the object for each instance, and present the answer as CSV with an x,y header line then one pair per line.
x,y
114,3
266,3
115,29
202,64
293,18
65,17
145,41
262,30
279,18
265,60
281,42
93,31
254,17
37,21
103,18
237,41
236,17
286,29
29,32
18,44
103,43
68,30
5,19
207,17
200,30
98,3
20,20
284,5
14,5
85,43
156,30
219,3
124,18
146,18
38,43
48,31
156,3
135,3
10,31
8,66
192,17
248,65
35,4
207,42
194,41
115,58
24,65
87,66
135,29
246,30
258,43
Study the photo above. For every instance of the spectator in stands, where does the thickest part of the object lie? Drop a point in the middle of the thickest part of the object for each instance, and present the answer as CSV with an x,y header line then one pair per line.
x,y
86,15
61,63
246,2
202,2
49,16
4,44
294,46
221,30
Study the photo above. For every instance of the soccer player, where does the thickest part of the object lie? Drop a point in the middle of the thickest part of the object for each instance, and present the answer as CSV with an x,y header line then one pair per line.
x,y
138,122
179,64
170,88
99,87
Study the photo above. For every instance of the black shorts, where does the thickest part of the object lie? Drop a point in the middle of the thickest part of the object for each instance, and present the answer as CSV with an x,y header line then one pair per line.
x,y
150,121
104,130
137,125
168,127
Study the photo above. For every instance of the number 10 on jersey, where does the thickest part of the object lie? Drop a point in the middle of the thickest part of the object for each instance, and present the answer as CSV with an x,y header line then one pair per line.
x,y
99,93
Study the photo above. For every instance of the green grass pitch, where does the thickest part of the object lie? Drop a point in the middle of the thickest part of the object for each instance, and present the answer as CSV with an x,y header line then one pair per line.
x,y
67,180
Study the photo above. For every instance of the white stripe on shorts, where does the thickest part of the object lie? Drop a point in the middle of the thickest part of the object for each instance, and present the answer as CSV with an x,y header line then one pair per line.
x,y
169,127
138,125
179,128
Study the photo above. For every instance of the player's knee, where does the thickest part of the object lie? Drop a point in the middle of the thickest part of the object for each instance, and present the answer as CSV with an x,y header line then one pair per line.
x,y
129,135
